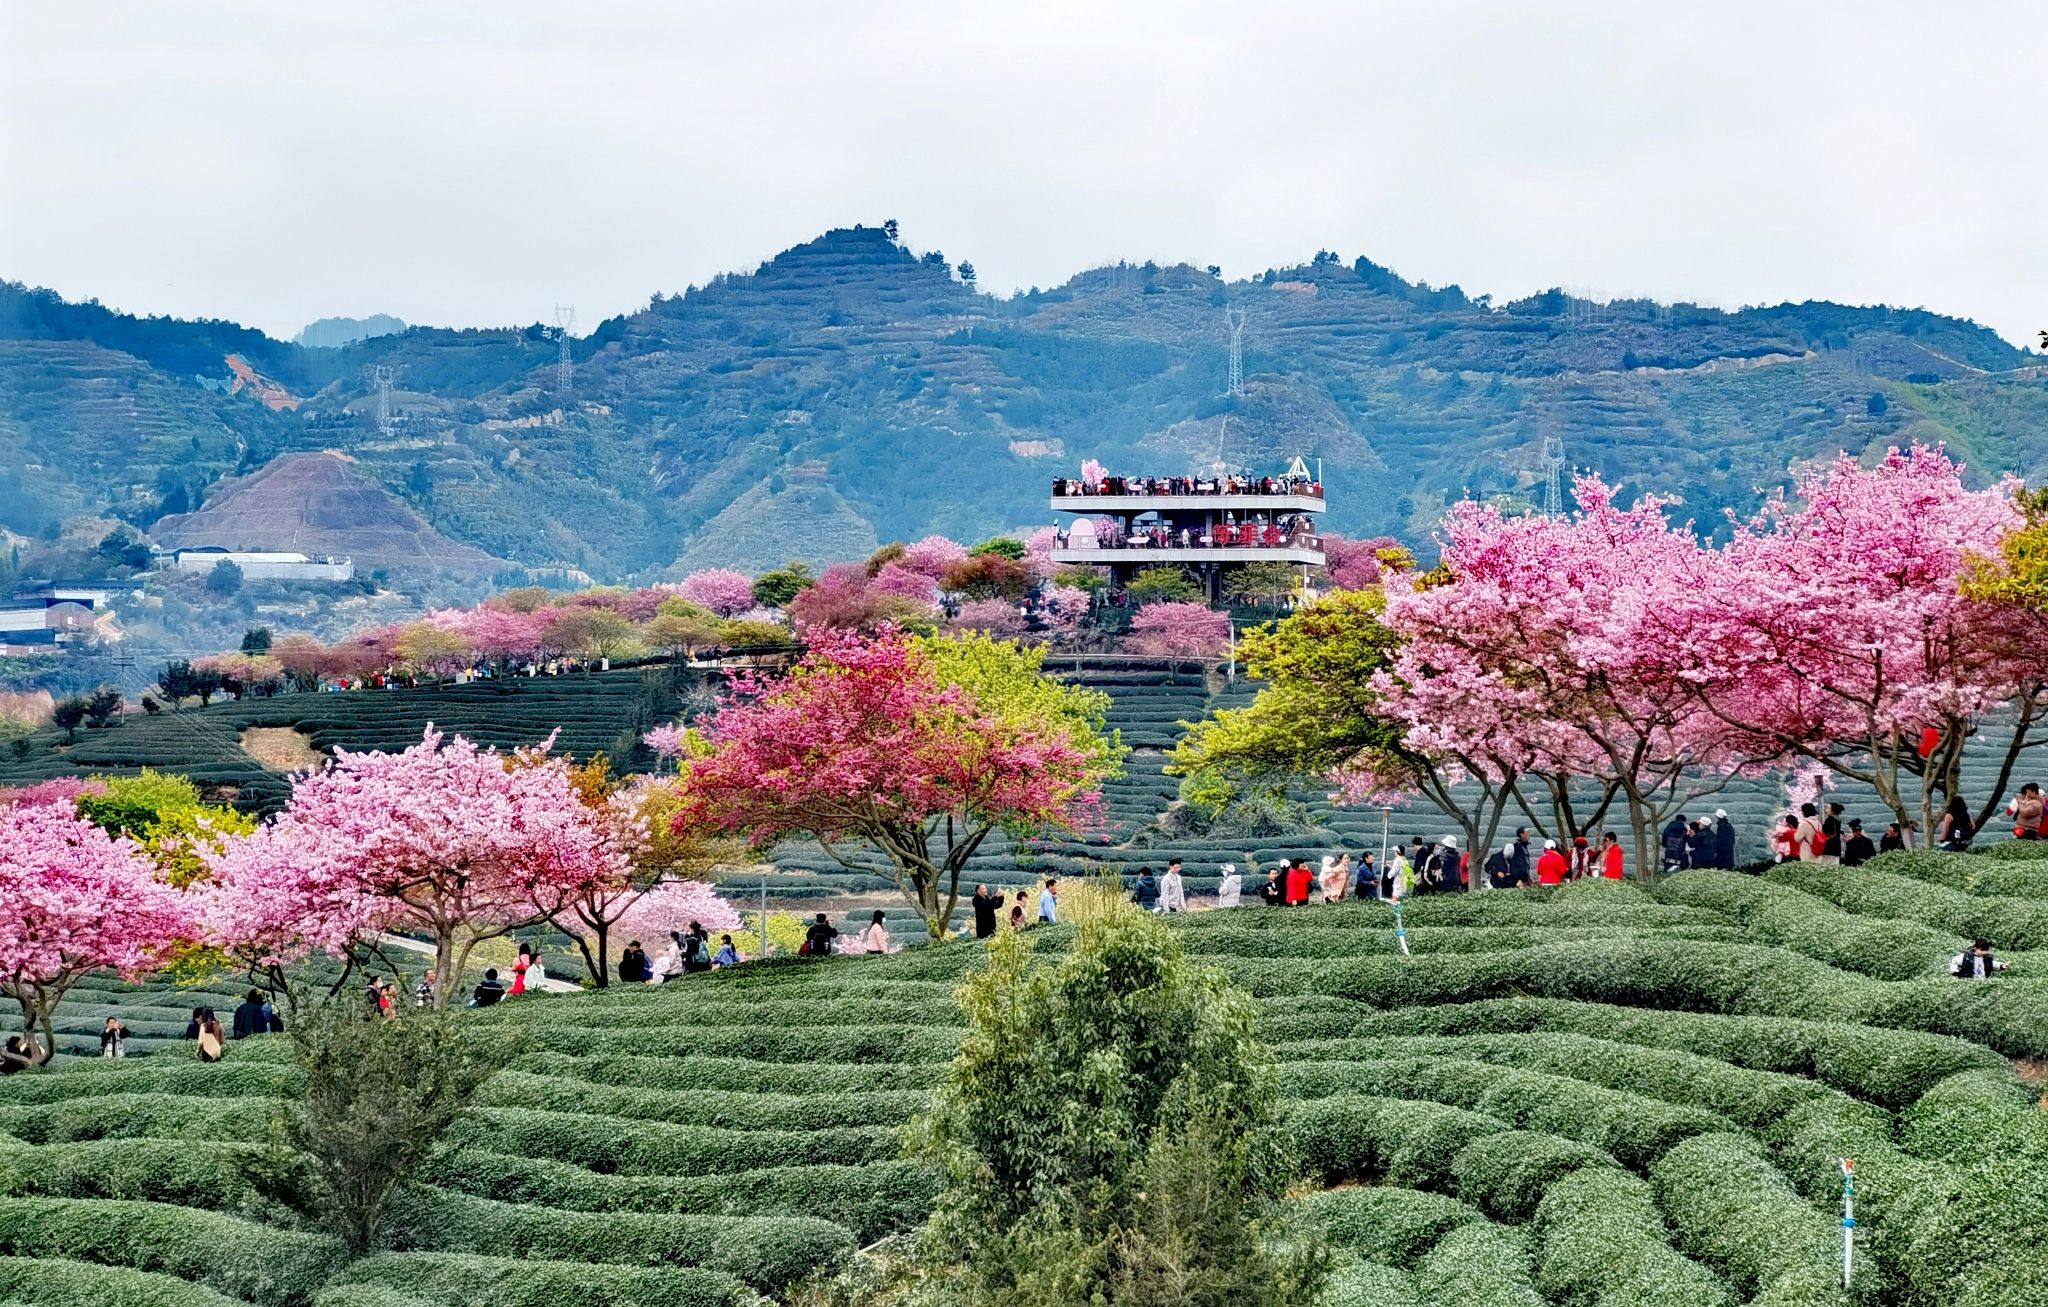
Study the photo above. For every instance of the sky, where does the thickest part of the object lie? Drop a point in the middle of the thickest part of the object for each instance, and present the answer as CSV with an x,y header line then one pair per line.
x,y
477,164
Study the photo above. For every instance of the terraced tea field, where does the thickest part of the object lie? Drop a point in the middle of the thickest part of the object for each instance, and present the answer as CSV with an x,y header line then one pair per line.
x,y
1596,1095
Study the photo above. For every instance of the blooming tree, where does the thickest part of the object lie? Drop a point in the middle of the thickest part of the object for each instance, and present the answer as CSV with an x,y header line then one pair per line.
x,y
1065,606
1179,630
1356,564
917,749
997,617
1834,628
844,598
723,591
1038,547
674,905
461,843
932,555
77,900
1531,648
900,578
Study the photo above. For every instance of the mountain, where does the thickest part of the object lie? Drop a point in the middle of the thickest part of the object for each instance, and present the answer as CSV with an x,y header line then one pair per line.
x,y
318,504
333,333
851,390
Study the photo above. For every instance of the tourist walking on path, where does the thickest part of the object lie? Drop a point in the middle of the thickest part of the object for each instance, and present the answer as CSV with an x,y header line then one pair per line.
x,y
1857,848
1297,882
1521,859
1785,840
985,906
1145,891
1500,867
1273,894
1048,903
1365,882
1230,889
1336,877
1676,833
1612,860
1724,840
1173,894
633,964
1807,838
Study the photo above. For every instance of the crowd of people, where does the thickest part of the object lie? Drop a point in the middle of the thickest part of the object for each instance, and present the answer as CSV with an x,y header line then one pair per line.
x,y
1070,488
1294,531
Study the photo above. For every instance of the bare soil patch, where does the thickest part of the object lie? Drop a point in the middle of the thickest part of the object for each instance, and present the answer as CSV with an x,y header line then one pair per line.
x,y
281,748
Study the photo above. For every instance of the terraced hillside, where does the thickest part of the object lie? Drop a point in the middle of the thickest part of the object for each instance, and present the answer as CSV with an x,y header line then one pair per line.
x,y
1592,1095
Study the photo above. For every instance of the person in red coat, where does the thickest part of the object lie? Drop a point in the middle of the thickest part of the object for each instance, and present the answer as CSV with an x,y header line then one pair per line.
x,y
1551,866
1298,879
1610,856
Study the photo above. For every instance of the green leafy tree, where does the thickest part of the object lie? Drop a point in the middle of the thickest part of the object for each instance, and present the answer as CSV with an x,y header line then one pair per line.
x,y
1163,585
70,715
165,814
380,1095
1268,584
775,589
256,640
225,580
102,706
1003,546
1110,1134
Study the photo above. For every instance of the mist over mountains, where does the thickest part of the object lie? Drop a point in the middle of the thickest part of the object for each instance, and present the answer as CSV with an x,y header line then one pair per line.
x,y
851,391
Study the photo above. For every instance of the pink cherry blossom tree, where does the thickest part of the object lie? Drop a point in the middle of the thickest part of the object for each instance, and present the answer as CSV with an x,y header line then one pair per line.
x,y
917,750
932,555
461,843
997,617
1357,564
904,581
673,905
504,636
1832,629
77,901
1065,607
1038,547
720,589
1179,630
1529,650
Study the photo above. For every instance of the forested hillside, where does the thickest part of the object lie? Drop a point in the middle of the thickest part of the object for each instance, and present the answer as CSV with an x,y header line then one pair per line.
x,y
852,390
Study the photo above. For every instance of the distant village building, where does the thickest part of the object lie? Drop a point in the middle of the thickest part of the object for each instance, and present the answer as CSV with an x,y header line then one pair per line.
x,y
264,565
47,617
1209,525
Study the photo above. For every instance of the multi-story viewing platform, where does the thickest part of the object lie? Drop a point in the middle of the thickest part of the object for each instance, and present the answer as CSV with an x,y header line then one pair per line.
x,y
1205,525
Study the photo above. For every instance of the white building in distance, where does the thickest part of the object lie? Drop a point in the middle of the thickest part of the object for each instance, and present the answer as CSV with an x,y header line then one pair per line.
x,y
264,565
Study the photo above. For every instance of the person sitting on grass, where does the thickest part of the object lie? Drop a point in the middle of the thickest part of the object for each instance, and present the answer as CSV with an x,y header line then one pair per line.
x,y
633,963
1975,963
249,1018
727,955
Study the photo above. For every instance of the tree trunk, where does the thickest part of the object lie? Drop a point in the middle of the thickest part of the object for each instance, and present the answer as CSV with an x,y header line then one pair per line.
x,y
600,972
446,970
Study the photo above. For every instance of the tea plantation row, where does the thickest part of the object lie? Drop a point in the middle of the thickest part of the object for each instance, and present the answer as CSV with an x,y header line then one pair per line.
x,y
1596,1095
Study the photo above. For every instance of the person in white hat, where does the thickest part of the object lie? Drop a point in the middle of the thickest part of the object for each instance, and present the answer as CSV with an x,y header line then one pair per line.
x,y
1230,888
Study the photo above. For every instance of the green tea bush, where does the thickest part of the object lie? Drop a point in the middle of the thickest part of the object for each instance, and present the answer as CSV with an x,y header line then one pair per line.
x,y
767,1252
1809,925
1368,1284
871,1199
1602,1241
1478,1266
680,1074
1383,1223
182,1172
1505,1174
262,1264
236,1079
2009,923
1991,871
768,1044
58,1282
1733,1210
139,1115
730,1109
652,1148
1360,1137
508,1282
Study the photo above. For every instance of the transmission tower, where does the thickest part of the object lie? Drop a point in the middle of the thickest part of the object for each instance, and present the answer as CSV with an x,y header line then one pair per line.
x,y
1235,317
1553,469
565,368
384,375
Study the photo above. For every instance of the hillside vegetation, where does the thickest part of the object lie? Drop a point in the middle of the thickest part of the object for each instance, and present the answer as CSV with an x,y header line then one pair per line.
x,y
1591,1095
845,391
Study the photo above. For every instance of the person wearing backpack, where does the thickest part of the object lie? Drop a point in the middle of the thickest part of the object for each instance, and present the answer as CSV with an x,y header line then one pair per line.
x,y
818,939
696,949
1808,840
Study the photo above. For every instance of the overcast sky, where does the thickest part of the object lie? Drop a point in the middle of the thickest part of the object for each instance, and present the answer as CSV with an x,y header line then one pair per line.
x,y
478,163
